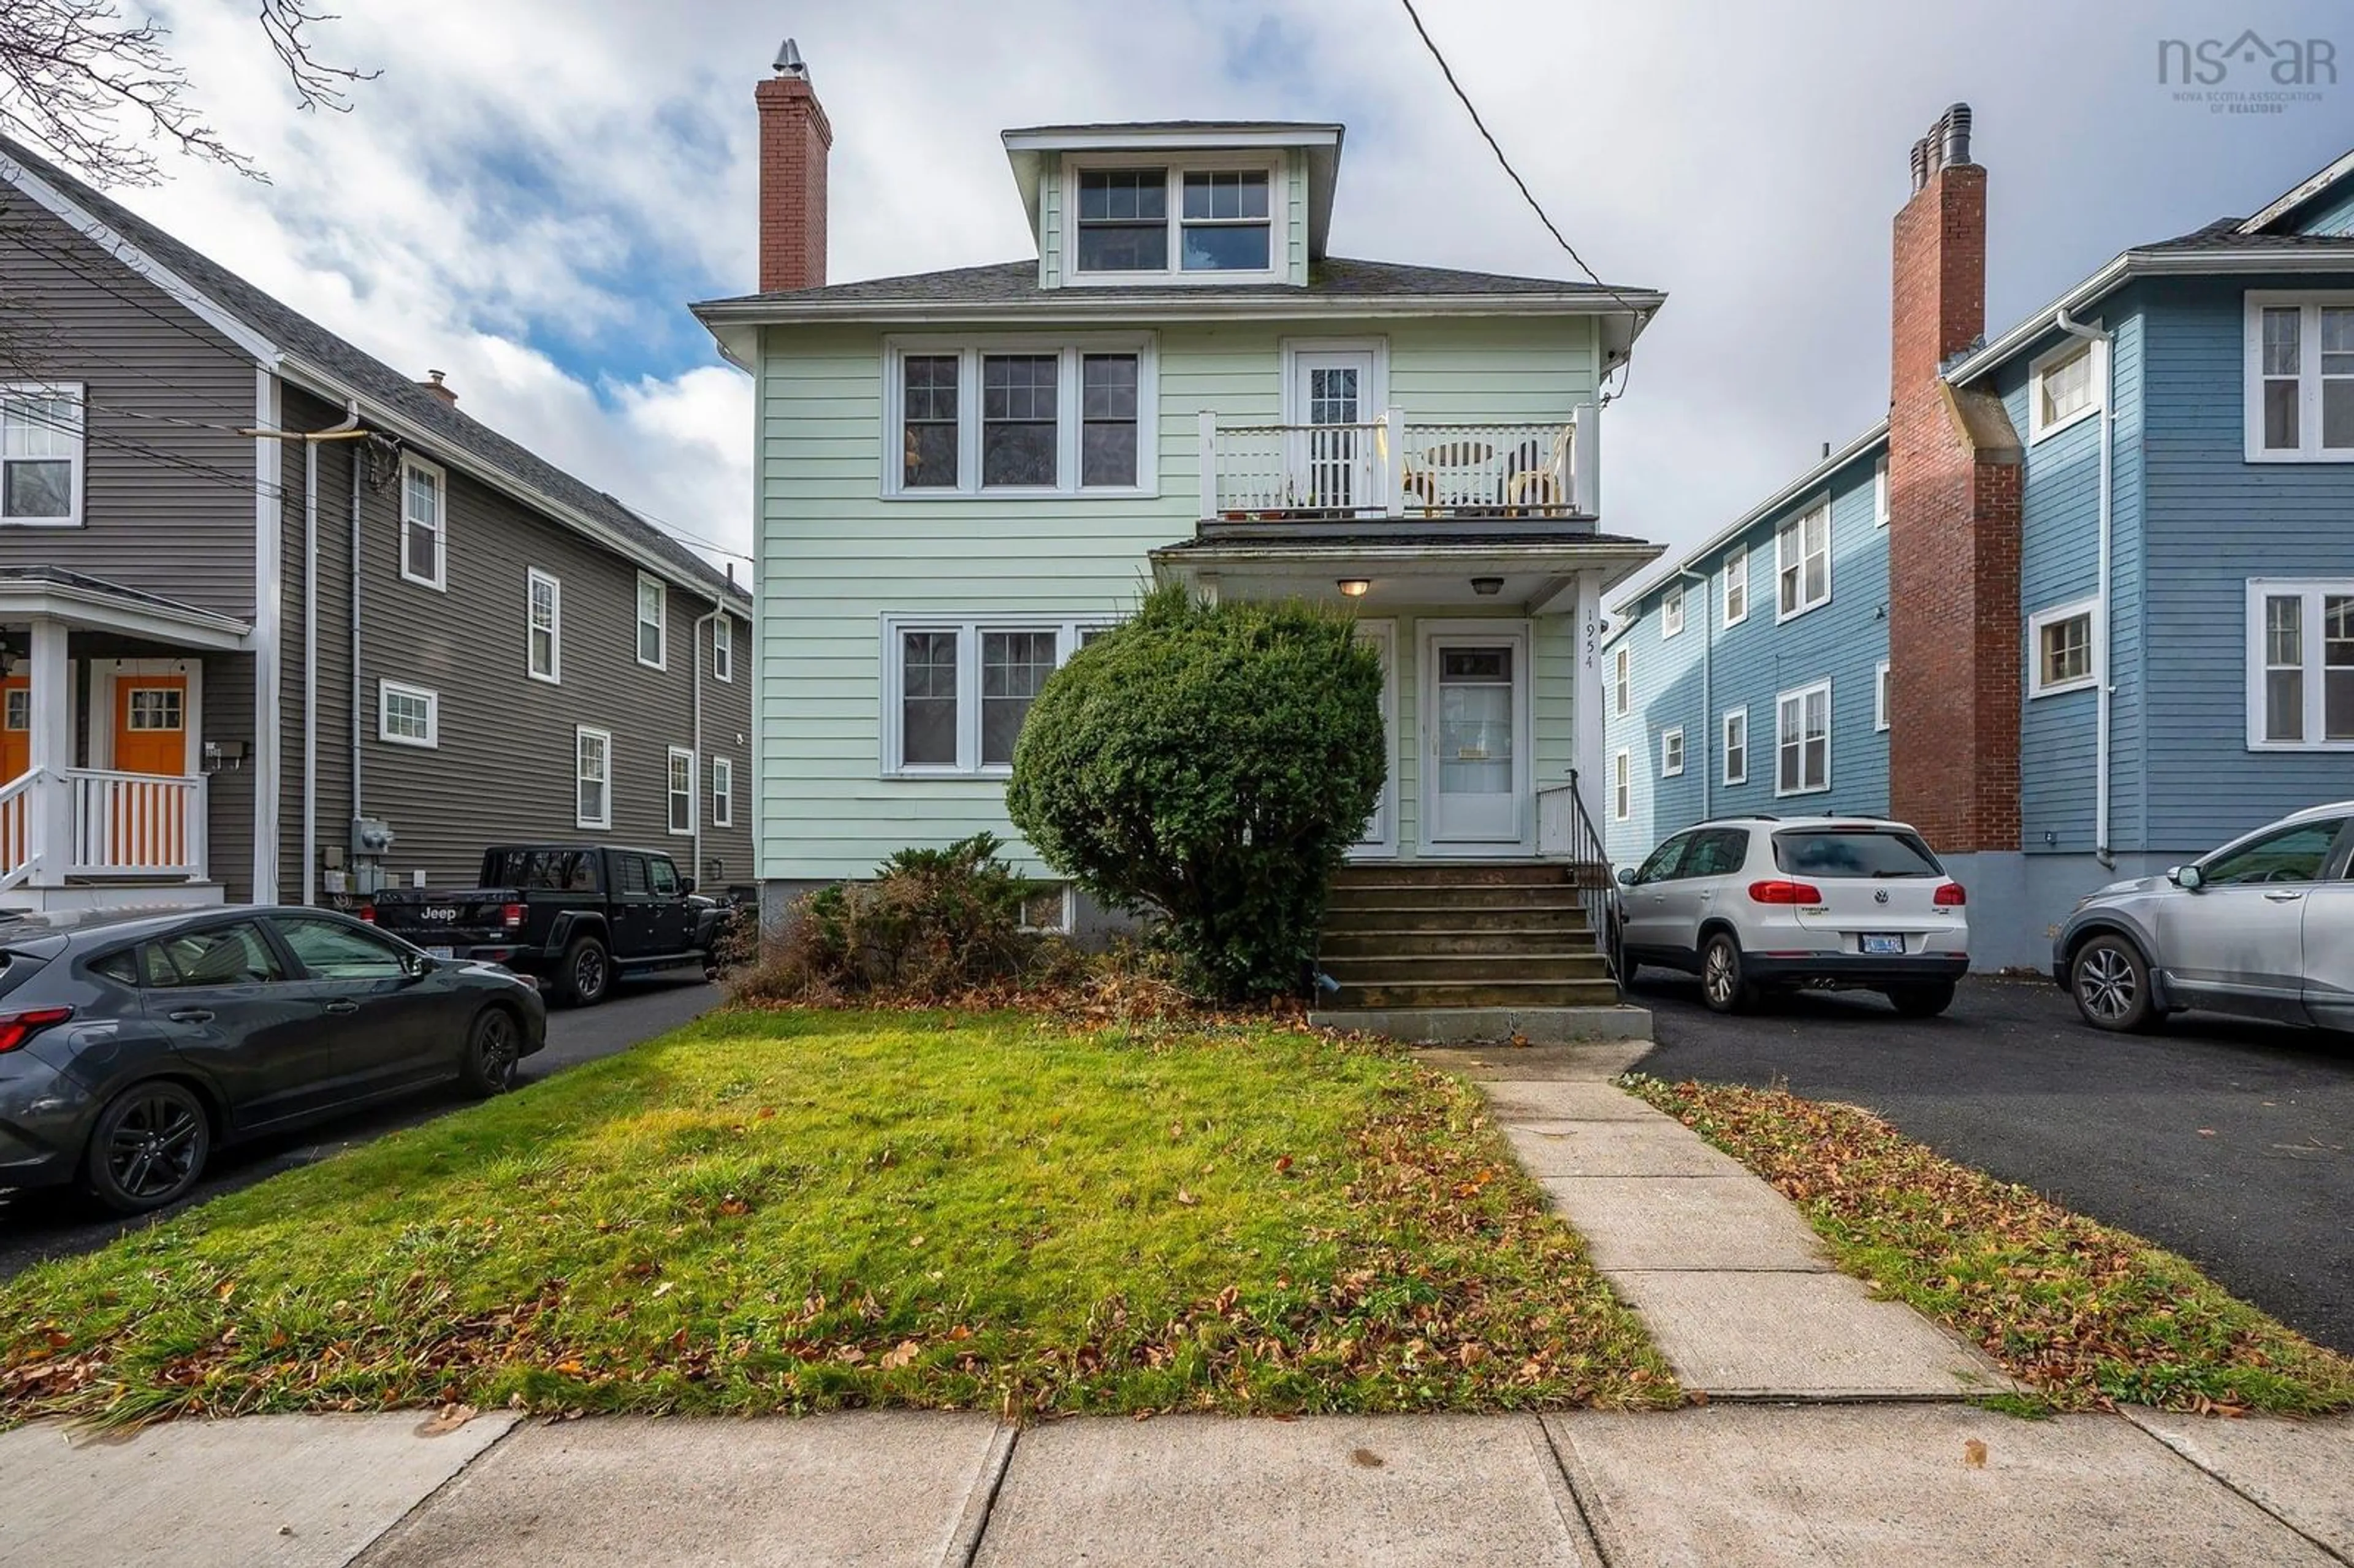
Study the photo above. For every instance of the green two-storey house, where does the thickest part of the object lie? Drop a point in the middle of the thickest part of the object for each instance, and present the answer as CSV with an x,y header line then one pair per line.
x,y
960,475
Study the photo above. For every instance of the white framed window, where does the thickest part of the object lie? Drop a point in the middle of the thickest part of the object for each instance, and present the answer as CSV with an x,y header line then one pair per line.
x,y
407,716
723,648
2063,387
1671,753
679,786
723,792
41,454
2300,376
1671,612
1622,786
1014,415
1802,749
1880,695
956,690
1880,493
1047,911
1622,682
543,621
593,773
424,524
1737,746
653,622
2061,655
1736,586
2301,664
1802,562
1203,219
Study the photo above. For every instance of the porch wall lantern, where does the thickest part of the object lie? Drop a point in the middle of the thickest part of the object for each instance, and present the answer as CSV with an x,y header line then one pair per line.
x,y
1487,587
1354,587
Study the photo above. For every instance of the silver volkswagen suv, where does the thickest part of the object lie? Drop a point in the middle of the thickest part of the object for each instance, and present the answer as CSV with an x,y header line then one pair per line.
x,y
1759,903
2262,927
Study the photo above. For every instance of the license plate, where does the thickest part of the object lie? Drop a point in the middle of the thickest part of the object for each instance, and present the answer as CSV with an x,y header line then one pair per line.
x,y
1875,944
439,953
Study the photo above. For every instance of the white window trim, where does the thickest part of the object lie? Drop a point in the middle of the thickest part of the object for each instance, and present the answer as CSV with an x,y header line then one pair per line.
x,y
672,758
387,690
1799,695
968,628
2096,355
411,463
2312,590
1671,612
2309,397
1070,348
723,649
1795,527
1622,683
1677,770
1880,697
1622,785
533,577
2088,607
1738,556
723,792
1062,926
1177,165
579,734
1735,718
79,458
638,622
1880,493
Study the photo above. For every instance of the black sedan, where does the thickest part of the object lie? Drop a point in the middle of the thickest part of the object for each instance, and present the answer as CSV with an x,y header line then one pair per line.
x,y
132,1043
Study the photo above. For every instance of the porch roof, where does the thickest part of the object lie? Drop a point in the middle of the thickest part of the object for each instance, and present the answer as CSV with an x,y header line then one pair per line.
x,y
89,603
1424,566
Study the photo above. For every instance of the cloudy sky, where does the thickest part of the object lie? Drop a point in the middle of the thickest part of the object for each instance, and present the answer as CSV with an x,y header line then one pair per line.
x,y
533,189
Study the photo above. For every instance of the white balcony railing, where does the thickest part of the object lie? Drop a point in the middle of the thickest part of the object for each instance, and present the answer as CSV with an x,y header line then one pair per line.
x,y
1390,468
16,830
134,824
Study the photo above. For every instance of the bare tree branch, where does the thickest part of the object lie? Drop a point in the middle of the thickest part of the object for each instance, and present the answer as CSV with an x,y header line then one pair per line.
x,y
73,72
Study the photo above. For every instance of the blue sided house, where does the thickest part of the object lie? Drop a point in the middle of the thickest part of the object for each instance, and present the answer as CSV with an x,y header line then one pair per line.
x,y
2080,609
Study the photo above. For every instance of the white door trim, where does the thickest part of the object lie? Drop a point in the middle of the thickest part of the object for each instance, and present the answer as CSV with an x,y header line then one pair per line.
x,y
104,673
1377,390
1431,634
1383,844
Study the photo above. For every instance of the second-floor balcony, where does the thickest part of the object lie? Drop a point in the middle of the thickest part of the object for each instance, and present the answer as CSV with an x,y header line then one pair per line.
x,y
1535,477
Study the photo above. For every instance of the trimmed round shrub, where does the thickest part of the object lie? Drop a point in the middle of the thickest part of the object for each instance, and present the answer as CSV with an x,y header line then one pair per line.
x,y
1209,764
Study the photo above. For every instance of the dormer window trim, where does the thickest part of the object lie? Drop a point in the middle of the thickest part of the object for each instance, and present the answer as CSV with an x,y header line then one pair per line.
x,y
1275,164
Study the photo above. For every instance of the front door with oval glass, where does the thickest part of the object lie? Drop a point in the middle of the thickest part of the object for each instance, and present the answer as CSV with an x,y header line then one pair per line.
x,y
1477,742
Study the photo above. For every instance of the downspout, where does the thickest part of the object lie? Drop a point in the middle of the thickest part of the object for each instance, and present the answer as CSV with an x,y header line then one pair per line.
x,y
702,765
1707,691
2104,343
311,646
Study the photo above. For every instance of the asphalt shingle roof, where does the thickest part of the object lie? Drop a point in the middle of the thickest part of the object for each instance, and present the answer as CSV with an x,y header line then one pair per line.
x,y
375,380
1017,282
2223,235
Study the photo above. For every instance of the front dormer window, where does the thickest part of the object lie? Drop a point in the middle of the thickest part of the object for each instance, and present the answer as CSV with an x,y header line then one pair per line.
x,y
1192,219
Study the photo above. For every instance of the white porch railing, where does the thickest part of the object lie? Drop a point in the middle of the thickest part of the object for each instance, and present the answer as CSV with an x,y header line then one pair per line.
x,y
16,830
134,824
1390,468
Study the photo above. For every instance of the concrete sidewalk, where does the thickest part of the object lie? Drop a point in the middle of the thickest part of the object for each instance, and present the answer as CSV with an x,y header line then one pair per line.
x,y
1738,1292
1862,1483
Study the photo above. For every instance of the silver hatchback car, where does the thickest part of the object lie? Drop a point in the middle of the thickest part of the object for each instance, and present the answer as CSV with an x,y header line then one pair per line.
x,y
2262,927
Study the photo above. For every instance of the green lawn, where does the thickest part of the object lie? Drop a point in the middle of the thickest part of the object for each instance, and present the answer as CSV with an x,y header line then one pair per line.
x,y
804,1210
2082,1312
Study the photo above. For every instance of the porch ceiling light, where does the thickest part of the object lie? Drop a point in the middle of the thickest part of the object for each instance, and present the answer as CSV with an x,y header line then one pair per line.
x,y
1354,587
1487,587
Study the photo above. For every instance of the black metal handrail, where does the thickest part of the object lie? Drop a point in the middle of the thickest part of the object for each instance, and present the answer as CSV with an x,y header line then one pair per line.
x,y
1571,834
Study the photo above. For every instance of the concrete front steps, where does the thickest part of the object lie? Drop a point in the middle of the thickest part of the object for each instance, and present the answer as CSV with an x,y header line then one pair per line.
x,y
1476,950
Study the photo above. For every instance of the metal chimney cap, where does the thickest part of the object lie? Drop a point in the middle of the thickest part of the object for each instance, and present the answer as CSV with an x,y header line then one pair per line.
x,y
790,61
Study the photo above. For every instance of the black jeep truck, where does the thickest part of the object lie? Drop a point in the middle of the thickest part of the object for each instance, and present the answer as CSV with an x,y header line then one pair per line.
x,y
577,916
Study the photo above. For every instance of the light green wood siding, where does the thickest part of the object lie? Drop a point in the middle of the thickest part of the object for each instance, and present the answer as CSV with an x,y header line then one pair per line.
x,y
835,557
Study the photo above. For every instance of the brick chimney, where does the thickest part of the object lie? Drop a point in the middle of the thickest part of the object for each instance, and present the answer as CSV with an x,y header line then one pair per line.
x,y
1954,627
795,140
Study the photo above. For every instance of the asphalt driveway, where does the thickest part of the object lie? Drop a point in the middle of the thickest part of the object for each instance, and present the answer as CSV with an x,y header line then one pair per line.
x,y
44,1224
2226,1142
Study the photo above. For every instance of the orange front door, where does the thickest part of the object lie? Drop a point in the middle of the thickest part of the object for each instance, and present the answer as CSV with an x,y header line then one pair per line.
x,y
151,725
15,726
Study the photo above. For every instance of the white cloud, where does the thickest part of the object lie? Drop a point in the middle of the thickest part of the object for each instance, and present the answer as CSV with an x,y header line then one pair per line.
x,y
533,189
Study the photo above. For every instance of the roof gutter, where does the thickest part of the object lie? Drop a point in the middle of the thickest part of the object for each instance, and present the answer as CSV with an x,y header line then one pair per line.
x,y
1105,305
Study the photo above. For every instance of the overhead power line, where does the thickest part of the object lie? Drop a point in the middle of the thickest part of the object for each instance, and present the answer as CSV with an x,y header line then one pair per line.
x,y
1522,186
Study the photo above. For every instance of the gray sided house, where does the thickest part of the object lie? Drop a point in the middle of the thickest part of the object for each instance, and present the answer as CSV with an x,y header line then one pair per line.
x,y
281,623
2082,607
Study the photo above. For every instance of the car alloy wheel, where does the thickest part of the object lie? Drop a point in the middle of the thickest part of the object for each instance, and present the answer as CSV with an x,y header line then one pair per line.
x,y
2106,987
493,1052
155,1147
1722,985
589,972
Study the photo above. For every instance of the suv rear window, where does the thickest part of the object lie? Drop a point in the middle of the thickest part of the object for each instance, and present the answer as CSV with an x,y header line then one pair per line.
x,y
1853,851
